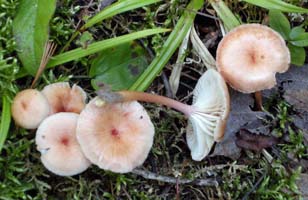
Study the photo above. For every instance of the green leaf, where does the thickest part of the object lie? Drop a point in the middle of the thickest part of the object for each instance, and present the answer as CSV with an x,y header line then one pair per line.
x,y
277,5
5,120
298,55
301,40
119,66
101,45
225,14
30,28
296,31
172,43
280,23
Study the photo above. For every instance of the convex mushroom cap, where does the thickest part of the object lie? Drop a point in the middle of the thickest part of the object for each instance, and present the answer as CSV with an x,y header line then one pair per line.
x,y
29,108
60,151
211,103
249,56
116,136
63,98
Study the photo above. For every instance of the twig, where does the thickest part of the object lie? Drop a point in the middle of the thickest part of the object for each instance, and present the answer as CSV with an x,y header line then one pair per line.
x,y
254,187
169,179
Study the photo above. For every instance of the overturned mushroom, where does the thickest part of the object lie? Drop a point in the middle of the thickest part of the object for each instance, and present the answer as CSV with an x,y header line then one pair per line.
x,y
116,137
56,140
207,115
29,108
63,98
249,56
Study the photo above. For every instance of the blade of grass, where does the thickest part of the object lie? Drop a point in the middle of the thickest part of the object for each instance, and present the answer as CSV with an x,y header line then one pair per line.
x,y
112,10
116,8
277,5
173,42
5,120
101,45
225,14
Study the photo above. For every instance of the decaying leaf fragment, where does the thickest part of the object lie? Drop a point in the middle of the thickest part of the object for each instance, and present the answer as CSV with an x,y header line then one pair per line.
x,y
248,140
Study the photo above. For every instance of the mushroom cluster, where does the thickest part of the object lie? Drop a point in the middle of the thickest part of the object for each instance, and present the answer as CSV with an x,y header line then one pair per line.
x,y
114,131
54,112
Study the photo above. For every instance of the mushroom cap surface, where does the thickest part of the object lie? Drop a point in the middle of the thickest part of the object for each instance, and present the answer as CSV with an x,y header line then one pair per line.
x,y
29,108
63,98
60,151
212,106
250,55
116,137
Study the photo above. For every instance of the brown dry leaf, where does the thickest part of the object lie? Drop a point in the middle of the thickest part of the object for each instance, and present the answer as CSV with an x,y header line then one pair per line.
x,y
247,140
241,116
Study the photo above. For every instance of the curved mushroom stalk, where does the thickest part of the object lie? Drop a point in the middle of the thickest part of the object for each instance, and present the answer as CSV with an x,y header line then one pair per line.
x,y
211,104
208,114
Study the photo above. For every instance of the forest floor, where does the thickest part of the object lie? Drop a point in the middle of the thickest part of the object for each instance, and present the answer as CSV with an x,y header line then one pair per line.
x,y
275,166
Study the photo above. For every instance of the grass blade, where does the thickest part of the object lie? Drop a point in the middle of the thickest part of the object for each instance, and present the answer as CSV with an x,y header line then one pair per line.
x,y
277,5
173,42
225,14
99,46
117,8
5,120
112,10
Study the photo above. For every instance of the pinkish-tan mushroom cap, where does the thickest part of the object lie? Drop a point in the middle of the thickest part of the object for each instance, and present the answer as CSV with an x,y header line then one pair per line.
x,y
63,98
29,108
60,151
249,56
116,137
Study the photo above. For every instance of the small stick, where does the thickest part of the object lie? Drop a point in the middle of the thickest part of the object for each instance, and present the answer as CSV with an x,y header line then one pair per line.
x,y
173,180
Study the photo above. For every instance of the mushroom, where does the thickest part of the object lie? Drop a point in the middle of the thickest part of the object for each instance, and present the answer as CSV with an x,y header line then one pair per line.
x,y
249,56
207,115
56,141
116,137
29,108
63,98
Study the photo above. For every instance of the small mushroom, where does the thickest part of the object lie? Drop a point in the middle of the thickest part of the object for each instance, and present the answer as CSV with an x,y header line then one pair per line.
x,y
29,108
63,98
249,56
208,114
116,137
211,97
60,151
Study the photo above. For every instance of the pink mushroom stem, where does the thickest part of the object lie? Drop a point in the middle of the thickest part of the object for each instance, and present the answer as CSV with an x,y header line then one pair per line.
x,y
153,98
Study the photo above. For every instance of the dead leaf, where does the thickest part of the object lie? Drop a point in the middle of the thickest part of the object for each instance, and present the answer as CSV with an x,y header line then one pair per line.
x,y
248,140
302,185
241,116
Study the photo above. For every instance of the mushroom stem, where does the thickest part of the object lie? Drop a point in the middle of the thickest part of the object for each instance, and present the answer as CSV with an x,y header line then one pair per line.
x,y
123,96
258,98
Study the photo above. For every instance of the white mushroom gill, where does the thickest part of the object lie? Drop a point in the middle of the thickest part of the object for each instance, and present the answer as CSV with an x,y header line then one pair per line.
x,y
208,118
